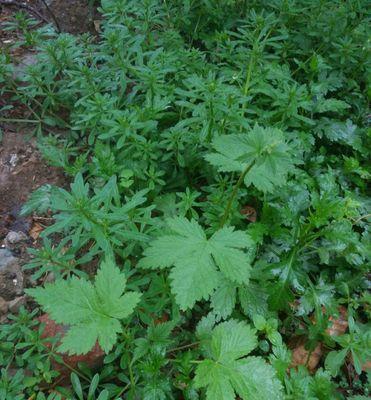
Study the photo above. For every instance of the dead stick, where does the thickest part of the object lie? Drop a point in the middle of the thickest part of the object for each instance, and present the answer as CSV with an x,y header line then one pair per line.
x,y
52,16
25,6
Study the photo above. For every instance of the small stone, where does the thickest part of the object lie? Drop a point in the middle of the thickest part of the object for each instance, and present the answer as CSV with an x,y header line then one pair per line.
x,y
50,278
11,276
5,258
16,304
13,160
15,237
3,306
73,16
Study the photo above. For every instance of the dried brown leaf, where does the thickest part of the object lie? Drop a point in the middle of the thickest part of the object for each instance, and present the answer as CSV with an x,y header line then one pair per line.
x,y
302,356
340,324
36,230
249,213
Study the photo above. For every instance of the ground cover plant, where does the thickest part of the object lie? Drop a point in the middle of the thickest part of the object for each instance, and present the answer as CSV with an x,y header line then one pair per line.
x,y
218,157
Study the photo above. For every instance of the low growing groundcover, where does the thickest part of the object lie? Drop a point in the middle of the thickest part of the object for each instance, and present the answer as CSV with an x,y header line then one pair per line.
x,y
213,238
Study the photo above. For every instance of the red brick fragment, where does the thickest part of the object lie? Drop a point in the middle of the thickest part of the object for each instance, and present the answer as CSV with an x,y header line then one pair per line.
x,y
93,359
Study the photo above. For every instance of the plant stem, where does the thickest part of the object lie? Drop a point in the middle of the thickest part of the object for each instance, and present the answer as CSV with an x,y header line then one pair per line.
x,y
186,346
248,77
131,375
39,119
31,121
82,376
53,17
366,216
247,83
211,123
234,193
123,390
19,94
59,360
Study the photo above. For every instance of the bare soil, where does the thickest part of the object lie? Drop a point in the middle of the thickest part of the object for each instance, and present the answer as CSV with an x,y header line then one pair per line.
x,y
73,16
22,170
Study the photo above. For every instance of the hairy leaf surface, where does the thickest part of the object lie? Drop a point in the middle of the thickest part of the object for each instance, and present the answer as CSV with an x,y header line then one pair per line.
x,y
198,262
93,311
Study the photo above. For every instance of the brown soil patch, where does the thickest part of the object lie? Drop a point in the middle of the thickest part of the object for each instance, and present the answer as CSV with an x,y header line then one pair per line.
x,y
22,170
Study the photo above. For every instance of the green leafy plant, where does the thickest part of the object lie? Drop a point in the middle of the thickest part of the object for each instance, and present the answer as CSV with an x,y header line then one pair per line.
x,y
198,263
356,344
101,217
262,156
227,370
218,151
94,311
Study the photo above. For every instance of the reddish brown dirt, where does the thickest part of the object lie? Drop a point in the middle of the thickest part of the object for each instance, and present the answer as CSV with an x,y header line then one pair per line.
x,y
93,359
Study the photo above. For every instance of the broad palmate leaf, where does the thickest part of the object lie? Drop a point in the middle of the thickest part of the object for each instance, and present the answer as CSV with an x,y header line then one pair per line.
x,y
93,311
198,262
264,149
227,371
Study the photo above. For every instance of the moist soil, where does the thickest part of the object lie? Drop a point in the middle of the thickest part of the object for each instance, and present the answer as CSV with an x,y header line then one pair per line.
x,y
22,170
72,16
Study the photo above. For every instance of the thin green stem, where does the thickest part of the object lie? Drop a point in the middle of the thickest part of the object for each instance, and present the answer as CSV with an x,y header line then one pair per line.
x,y
234,193
82,376
186,346
248,77
250,67
247,84
123,390
131,375
307,60
20,95
211,124
30,121
366,216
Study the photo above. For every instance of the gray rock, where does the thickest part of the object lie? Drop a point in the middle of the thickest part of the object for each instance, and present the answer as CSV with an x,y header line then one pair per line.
x,y
16,304
11,277
15,237
13,160
50,278
5,258
73,16
3,306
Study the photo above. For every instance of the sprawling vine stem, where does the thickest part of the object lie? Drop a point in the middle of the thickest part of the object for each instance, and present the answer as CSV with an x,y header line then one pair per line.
x,y
234,193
